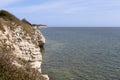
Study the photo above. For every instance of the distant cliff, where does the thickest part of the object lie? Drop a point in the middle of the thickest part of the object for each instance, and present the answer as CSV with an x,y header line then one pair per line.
x,y
20,49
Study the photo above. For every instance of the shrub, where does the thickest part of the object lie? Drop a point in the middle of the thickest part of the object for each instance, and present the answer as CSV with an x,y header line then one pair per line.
x,y
1,27
8,71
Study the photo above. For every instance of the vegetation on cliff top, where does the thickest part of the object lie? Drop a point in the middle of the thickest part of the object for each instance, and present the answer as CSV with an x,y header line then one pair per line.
x,y
8,16
11,18
8,71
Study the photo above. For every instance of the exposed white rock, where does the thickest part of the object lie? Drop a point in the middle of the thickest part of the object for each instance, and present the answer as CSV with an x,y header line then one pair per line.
x,y
23,46
36,64
17,64
43,38
44,77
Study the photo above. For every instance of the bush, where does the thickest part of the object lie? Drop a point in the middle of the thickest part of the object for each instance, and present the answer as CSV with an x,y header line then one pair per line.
x,y
1,27
11,72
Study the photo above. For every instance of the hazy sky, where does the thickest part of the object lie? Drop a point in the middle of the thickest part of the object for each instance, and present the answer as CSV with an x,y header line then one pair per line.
x,y
90,13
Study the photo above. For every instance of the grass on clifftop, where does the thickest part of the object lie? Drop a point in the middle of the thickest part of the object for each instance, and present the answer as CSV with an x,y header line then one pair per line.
x,y
11,18
8,16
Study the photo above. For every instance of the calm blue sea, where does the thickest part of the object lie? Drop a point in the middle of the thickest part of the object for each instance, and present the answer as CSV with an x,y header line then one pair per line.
x,y
82,53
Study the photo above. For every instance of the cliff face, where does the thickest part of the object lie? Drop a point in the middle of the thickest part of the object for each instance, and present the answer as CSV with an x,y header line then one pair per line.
x,y
23,41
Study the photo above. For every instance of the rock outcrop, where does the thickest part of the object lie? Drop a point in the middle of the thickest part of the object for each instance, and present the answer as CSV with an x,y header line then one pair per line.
x,y
24,40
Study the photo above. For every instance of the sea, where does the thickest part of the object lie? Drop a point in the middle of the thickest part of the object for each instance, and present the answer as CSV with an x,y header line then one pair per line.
x,y
82,53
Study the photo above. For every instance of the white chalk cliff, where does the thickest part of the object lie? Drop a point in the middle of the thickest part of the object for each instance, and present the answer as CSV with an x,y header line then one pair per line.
x,y
24,40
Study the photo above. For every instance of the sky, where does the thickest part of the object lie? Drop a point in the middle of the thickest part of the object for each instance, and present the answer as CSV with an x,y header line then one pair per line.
x,y
66,13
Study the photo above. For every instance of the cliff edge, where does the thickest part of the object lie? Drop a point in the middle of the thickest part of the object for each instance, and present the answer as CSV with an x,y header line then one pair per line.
x,y
20,49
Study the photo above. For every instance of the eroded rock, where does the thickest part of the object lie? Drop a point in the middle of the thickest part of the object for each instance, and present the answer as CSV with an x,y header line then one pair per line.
x,y
25,41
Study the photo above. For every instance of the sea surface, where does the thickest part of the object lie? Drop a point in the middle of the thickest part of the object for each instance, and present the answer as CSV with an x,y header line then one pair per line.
x,y
82,53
